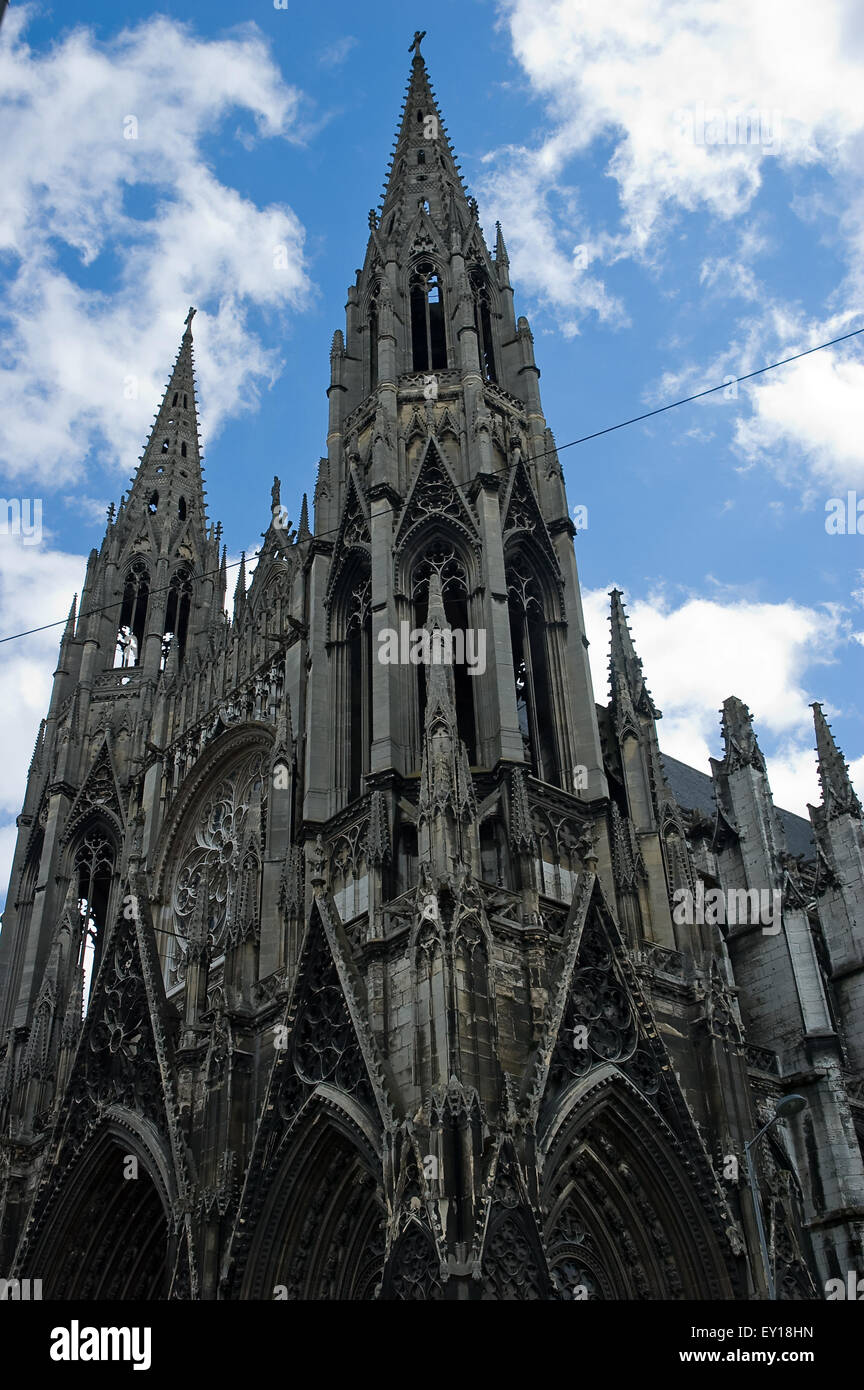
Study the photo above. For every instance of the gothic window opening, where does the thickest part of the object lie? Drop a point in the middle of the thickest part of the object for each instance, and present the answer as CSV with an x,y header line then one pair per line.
x,y
483,324
181,509
93,867
421,156
428,335
133,614
174,402
441,558
359,657
164,446
530,669
153,502
177,614
491,857
183,451
185,403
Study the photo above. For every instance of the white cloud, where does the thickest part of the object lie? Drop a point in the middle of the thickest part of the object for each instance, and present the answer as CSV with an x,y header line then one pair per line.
x,y
694,98
152,215
700,651
334,55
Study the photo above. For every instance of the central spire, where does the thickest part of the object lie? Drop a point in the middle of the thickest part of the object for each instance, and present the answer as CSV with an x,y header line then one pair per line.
x,y
423,168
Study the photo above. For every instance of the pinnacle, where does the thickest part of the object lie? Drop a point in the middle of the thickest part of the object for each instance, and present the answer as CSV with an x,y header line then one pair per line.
x,y
838,794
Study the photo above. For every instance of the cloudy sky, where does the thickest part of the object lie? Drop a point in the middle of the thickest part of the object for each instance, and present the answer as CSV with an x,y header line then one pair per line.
x,y
681,187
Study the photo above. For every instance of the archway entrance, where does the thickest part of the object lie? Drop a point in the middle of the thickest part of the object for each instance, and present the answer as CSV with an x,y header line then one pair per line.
x,y
107,1235
320,1233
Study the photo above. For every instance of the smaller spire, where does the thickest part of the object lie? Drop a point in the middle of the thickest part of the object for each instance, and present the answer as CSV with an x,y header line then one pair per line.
x,y
501,257
740,745
303,532
838,794
240,589
69,630
629,691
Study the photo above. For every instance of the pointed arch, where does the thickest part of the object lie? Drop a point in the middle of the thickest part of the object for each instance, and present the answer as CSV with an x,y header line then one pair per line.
x,y
437,547
177,610
536,642
133,613
319,1235
427,317
350,653
106,1236
623,1219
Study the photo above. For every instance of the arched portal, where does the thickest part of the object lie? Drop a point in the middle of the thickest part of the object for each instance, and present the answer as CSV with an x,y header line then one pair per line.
x,y
107,1233
623,1217
320,1232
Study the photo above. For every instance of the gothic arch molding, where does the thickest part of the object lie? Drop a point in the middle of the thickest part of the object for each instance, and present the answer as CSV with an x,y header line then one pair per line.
x,y
106,1235
319,1235
619,1201
219,756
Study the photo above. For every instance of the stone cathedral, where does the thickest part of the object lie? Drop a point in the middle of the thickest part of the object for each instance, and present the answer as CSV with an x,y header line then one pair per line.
x,y
324,976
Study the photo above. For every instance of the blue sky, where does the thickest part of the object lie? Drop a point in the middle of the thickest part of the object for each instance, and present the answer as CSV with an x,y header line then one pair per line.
x,y
650,262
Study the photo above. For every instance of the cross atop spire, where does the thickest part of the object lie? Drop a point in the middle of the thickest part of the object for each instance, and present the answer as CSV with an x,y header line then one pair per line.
x,y
419,36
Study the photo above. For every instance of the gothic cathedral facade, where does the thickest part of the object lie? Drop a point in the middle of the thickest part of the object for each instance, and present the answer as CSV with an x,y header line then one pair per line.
x,y
329,976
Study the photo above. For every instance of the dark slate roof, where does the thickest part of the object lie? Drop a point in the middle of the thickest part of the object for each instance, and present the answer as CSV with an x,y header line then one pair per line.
x,y
694,791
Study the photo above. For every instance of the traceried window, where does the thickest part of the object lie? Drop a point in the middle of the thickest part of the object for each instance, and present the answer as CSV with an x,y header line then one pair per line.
x,y
177,615
530,668
441,558
428,334
93,867
211,862
133,614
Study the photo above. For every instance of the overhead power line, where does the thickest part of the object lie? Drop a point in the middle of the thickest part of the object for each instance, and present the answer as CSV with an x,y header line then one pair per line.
x,y
584,439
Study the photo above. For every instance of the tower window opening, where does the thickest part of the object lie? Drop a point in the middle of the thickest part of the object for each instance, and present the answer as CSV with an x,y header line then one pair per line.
x,y
183,451
133,615
93,868
483,325
530,668
185,402
421,156
164,446
177,614
181,509
419,117
428,335
443,560
174,402
153,502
